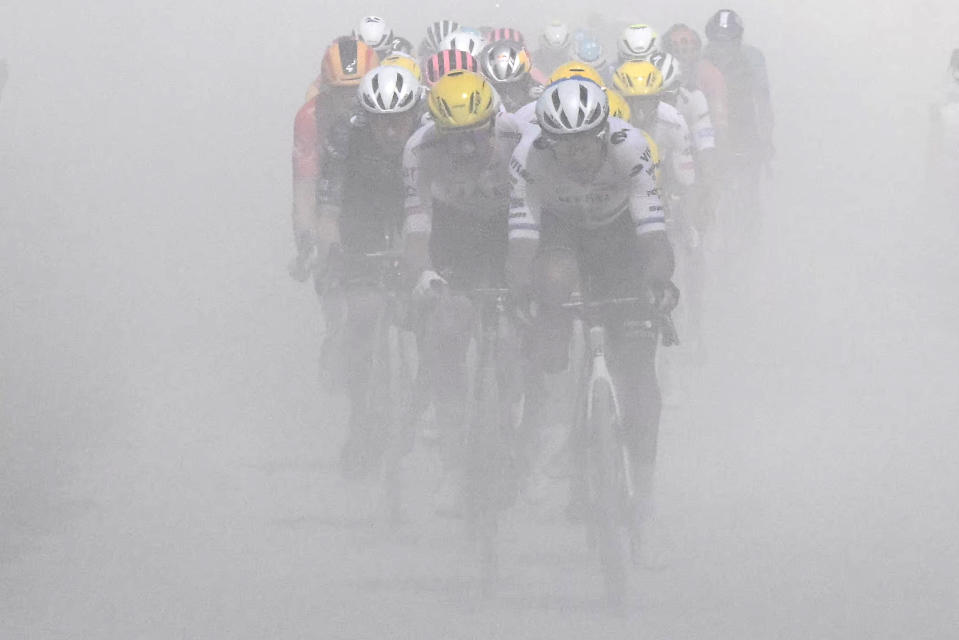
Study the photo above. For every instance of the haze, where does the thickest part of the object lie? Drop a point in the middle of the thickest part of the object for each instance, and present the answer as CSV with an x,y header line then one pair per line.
x,y
167,457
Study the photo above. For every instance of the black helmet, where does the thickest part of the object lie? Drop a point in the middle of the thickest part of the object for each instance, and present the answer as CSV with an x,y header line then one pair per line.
x,y
401,45
725,26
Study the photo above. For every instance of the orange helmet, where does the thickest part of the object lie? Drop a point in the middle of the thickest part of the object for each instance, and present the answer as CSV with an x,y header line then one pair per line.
x,y
346,61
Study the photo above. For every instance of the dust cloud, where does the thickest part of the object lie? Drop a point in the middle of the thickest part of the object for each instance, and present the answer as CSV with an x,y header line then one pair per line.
x,y
167,456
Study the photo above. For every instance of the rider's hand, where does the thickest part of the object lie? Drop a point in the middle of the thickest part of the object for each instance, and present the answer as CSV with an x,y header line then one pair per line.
x,y
428,285
665,297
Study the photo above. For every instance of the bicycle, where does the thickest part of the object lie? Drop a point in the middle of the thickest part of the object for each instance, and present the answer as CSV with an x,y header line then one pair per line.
x,y
491,480
610,484
389,381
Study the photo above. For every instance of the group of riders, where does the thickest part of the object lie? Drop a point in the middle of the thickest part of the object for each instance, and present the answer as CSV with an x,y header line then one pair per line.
x,y
547,173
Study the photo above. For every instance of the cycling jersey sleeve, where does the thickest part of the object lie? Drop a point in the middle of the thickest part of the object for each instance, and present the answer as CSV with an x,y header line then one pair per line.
x,y
306,144
418,203
524,211
645,207
700,120
682,168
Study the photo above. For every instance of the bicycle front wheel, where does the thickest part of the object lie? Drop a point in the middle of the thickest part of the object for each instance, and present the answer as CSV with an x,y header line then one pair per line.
x,y
607,493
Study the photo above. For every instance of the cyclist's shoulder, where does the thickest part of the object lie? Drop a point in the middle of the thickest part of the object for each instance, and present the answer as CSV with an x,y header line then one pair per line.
x,y
670,117
627,145
423,138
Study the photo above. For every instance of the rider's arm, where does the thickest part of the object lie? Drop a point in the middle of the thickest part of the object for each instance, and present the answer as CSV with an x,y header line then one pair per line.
x,y
418,224
306,175
315,209
648,214
524,216
682,166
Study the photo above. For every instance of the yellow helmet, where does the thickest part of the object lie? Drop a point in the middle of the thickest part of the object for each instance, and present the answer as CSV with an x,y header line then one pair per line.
x,y
576,69
404,60
462,100
638,78
618,107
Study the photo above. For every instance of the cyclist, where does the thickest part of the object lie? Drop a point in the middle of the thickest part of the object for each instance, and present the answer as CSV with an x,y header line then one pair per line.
x,y
376,34
584,201
507,66
691,217
364,191
641,84
748,142
320,124
697,72
455,240
637,42
554,48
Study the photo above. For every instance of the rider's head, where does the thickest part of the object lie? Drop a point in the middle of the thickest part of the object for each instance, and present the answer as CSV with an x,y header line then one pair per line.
x,y
725,29
683,42
375,33
641,82
556,36
505,62
573,116
462,104
637,42
345,62
390,95
670,69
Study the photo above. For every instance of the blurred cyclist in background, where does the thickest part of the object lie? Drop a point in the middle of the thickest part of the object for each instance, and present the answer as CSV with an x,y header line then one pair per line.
x,y
554,47
748,143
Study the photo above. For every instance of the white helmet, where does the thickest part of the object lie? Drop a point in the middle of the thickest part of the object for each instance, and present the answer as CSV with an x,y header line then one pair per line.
x,y
638,42
389,90
437,31
467,40
556,35
374,32
669,67
573,105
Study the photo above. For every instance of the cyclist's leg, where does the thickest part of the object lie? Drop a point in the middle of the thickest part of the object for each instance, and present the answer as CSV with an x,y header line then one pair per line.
x,y
612,265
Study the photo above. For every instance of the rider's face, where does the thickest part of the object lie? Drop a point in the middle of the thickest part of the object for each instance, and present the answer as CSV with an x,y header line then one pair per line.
x,y
642,108
467,146
391,130
580,154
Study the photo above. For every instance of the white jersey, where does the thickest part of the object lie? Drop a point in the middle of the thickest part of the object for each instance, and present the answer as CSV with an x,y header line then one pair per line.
x,y
694,107
625,182
670,132
475,182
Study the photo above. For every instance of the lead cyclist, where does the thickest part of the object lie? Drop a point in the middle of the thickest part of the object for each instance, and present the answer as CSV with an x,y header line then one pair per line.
x,y
585,214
